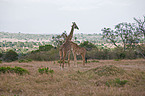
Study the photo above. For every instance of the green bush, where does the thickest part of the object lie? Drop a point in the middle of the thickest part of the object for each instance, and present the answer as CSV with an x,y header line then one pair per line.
x,y
25,60
50,55
88,45
45,48
45,70
41,70
20,70
0,61
10,56
17,70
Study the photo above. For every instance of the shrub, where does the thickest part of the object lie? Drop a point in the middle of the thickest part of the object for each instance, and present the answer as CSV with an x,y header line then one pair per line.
x,y
17,70
20,70
35,51
50,55
51,72
41,70
20,61
88,45
45,70
130,54
10,56
25,60
45,48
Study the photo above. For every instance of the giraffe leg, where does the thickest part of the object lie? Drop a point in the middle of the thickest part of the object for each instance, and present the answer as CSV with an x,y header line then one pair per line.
x,y
69,59
83,58
63,61
75,59
60,54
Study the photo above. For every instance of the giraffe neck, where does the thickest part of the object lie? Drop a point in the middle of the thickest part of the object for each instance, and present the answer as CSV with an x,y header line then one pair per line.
x,y
69,37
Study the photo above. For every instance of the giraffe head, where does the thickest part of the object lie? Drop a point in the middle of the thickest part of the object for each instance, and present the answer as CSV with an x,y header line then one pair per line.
x,y
75,26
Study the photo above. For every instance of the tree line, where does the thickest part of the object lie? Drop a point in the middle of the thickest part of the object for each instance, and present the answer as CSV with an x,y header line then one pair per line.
x,y
131,37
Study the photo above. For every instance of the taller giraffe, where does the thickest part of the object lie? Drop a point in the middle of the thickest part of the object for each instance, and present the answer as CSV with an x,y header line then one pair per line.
x,y
74,26
66,46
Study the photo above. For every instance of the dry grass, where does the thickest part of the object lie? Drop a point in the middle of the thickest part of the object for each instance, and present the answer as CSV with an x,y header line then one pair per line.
x,y
75,81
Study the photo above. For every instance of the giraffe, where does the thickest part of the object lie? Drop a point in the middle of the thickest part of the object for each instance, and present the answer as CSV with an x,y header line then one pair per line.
x,y
66,46
77,50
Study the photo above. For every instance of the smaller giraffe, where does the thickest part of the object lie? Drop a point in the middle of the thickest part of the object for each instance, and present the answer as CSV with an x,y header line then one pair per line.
x,y
77,50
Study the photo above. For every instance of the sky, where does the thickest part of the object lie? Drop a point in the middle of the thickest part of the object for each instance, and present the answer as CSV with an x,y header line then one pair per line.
x,y
56,16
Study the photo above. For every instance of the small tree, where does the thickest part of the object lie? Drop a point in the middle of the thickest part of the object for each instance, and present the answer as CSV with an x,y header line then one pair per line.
x,y
59,39
109,34
141,25
127,32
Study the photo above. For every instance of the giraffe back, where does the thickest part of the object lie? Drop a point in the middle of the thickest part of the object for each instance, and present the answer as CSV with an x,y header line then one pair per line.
x,y
77,49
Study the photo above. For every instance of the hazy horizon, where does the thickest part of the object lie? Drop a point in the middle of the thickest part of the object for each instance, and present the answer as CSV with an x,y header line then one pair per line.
x,y
56,16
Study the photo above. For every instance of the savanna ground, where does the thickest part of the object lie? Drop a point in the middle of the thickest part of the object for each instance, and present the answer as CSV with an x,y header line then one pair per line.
x,y
96,78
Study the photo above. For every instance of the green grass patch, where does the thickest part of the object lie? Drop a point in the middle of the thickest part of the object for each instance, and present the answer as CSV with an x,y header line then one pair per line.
x,y
94,61
79,62
116,82
88,62
61,61
16,69
117,60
